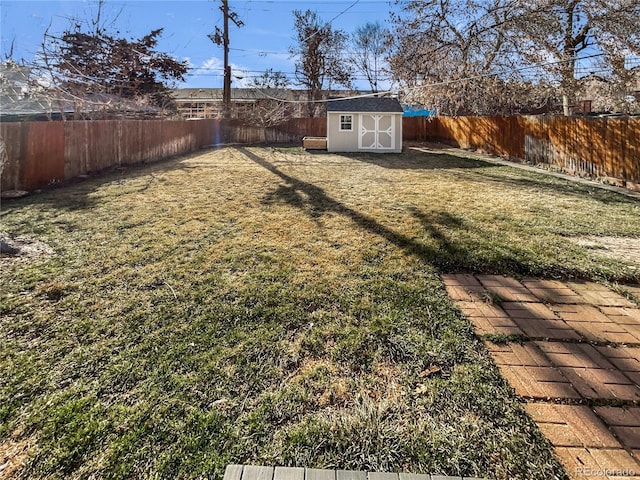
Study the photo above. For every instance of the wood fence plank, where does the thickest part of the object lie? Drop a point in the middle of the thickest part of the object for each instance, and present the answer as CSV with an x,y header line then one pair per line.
x,y
43,162
633,151
42,152
414,476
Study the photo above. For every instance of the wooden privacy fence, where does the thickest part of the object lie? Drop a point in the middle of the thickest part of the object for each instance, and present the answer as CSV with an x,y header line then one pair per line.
x,y
291,131
40,153
594,147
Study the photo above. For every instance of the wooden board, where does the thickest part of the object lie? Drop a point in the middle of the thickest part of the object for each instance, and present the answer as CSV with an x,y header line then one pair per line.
x,y
385,476
316,474
350,475
314,143
233,472
255,472
288,473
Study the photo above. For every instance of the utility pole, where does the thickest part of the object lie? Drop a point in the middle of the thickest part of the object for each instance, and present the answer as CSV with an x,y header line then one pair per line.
x,y
226,90
222,38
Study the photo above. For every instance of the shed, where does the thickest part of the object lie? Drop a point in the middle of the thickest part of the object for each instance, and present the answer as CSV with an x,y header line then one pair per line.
x,y
364,124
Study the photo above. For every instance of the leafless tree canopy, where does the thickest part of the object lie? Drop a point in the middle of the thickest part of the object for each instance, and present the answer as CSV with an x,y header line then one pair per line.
x,y
503,56
557,32
319,60
369,41
92,65
270,108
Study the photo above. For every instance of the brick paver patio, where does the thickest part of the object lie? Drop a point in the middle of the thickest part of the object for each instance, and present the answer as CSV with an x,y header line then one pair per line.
x,y
571,352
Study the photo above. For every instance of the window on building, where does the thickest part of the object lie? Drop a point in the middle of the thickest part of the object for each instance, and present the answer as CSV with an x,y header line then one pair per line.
x,y
346,122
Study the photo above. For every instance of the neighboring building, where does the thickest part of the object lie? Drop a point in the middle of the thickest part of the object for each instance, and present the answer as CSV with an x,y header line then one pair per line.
x,y
22,99
364,124
601,94
195,103
60,106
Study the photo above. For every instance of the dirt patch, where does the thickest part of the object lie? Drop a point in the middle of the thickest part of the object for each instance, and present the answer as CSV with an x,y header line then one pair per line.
x,y
621,248
22,247
13,455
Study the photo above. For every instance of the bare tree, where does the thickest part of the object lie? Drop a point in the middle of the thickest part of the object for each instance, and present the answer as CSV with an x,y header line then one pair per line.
x,y
88,64
319,60
475,57
270,106
554,33
270,79
447,54
14,81
370,41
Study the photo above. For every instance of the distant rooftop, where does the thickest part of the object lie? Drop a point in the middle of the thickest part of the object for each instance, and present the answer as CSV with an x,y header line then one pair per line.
x,y
208,94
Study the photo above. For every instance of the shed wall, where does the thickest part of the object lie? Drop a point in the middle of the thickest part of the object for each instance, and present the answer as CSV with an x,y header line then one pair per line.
x,y
347,141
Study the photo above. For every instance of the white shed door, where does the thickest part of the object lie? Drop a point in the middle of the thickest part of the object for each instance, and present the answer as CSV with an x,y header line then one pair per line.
x,y
377,131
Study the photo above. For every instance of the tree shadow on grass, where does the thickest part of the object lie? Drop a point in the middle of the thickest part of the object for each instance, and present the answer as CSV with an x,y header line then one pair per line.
x,y
441,251
439,157
556,185
315,202
526,178
418,161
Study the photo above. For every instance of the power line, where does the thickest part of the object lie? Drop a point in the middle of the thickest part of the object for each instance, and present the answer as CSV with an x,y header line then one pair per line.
x,y
437,84
330,21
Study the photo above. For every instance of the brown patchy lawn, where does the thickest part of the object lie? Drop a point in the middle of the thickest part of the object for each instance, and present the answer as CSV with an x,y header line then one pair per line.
x,y
271,306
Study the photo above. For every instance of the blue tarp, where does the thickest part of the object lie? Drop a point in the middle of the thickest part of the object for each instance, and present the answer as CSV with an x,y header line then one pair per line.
x,y
417,111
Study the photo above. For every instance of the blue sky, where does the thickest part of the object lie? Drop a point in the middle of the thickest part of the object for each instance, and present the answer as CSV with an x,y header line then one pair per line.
x,y
261,43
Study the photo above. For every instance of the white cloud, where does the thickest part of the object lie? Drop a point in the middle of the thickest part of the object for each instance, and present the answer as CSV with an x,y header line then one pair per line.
x,y
240,76
211,65
214,66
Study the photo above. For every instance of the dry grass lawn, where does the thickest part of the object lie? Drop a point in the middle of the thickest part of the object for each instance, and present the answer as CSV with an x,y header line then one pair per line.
x,y
271,306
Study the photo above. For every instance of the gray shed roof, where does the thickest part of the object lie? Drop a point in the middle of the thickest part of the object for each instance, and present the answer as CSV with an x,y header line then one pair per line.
x,y
365,104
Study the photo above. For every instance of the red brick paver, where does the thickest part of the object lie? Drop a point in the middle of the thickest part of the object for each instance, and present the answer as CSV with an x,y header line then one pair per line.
x,y
506,288
571,425
515,354
583,346
623,315
597,383
576,355
539,383
600,463
594,324
536,320
625,359
489,319
634,290
600,295
624,423
552,291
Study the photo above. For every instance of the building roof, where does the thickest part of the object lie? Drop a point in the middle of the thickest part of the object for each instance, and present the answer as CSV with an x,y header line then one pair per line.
x,y
45,105
245,94
365,104
209,94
